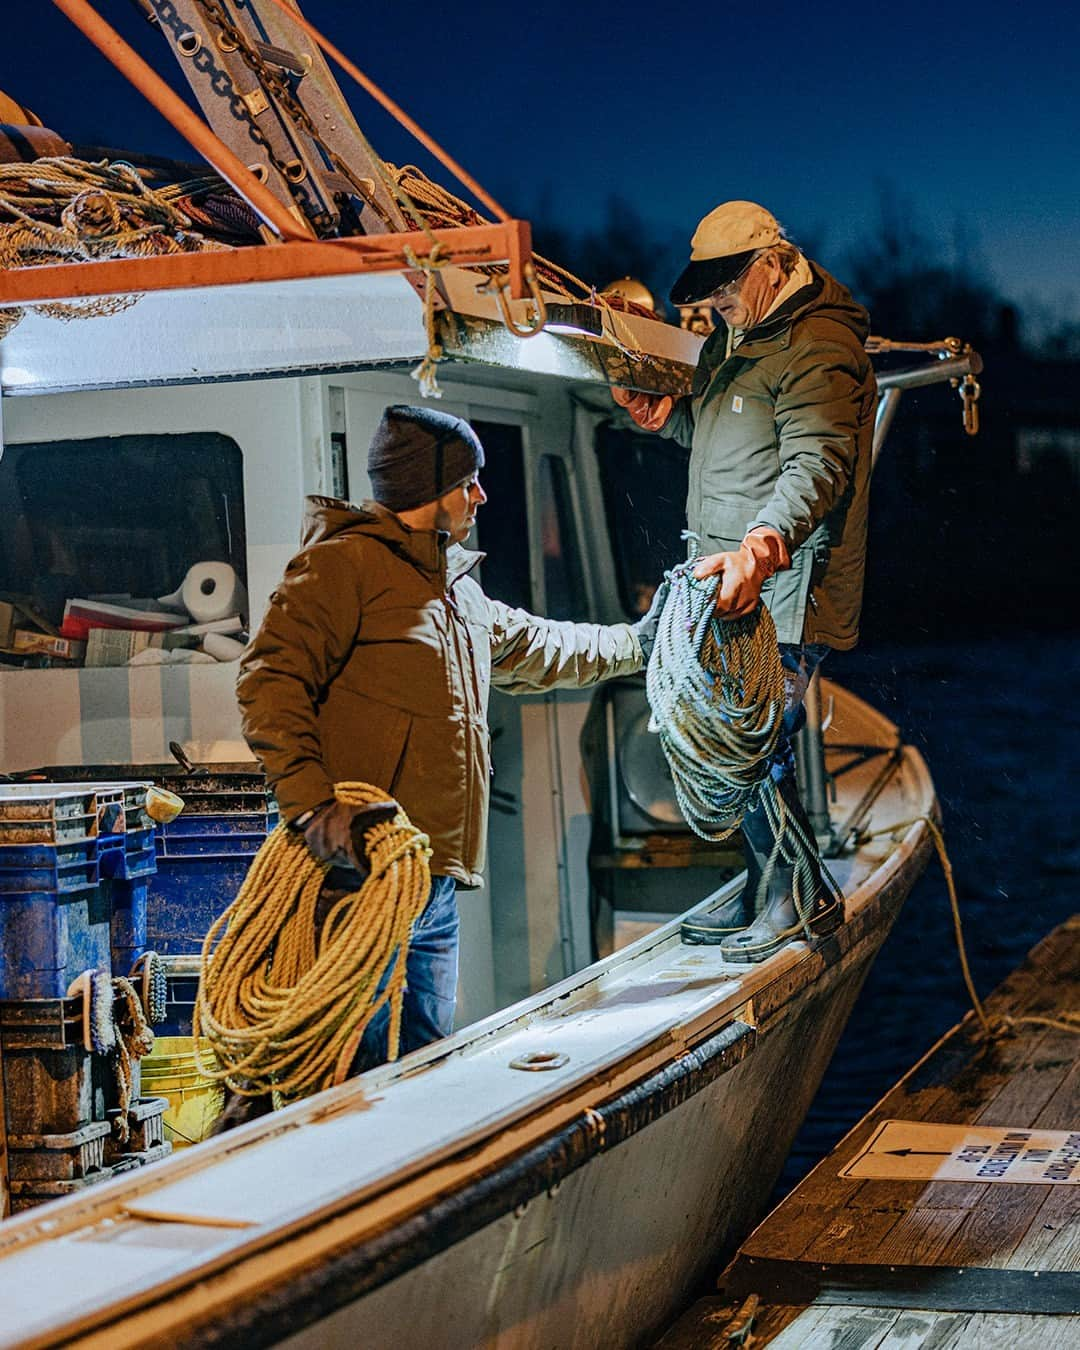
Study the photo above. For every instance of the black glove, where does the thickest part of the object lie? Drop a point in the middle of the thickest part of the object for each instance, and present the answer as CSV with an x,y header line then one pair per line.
x,y
645,628
335,832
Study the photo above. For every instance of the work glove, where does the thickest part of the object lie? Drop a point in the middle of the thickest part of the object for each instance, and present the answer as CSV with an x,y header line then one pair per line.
x,y
645,628
334,832
649,411
743,571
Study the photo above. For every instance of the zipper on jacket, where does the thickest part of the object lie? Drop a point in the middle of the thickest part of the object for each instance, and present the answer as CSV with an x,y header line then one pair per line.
x,y
453,618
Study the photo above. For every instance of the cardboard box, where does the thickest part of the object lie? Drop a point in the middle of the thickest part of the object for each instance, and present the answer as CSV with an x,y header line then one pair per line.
x,y
116,646
26,643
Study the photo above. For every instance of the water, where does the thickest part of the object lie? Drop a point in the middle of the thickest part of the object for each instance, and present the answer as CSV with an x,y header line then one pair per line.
x,y
998,722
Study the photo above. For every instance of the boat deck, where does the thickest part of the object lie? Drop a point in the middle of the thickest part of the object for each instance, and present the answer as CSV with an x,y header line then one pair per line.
x,y
888,1262
426,1185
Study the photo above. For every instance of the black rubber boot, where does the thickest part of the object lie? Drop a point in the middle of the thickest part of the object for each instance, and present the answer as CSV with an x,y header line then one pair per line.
x,y
779,920
731,917
708,930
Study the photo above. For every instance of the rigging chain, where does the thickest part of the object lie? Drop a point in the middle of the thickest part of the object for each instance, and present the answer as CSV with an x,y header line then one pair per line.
x,y
278,86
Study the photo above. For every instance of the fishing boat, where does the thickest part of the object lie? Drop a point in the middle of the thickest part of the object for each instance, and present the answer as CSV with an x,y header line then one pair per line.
x,y
614,1112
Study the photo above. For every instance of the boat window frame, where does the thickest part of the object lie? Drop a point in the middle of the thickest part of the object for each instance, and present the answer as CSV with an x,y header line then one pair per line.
x,y
209,443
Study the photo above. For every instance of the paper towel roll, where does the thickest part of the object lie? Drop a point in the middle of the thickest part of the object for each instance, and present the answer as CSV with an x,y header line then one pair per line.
x,y
223,648
212,590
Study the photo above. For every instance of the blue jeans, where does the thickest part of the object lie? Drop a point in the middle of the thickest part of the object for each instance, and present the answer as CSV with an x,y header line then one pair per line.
x,y
431,976
800,660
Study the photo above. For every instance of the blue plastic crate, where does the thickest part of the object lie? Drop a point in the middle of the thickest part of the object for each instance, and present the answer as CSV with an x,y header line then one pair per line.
x,y
29,868
111,851
220,823
19,857
129,855
46,939
207,845
186,895
127,921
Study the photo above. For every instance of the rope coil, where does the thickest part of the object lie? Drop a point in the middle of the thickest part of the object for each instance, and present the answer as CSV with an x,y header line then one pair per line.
x,y
134,1040
63,210
716,690
282,1008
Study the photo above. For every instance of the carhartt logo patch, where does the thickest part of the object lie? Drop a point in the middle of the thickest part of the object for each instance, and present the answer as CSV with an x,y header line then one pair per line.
x,y
736,403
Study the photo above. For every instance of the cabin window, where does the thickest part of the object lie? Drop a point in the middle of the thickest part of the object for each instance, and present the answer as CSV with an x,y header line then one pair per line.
x,y
564,579
644,481
115,517
502,526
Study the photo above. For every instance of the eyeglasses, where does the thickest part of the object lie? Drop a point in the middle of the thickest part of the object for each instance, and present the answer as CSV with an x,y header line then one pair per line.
x,y
731,287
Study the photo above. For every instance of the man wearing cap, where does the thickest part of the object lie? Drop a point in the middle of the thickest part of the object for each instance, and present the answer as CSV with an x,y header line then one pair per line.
x,y
373,664
779,423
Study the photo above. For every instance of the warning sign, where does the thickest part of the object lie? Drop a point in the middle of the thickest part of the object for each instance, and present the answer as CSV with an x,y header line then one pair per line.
x,y
909,1150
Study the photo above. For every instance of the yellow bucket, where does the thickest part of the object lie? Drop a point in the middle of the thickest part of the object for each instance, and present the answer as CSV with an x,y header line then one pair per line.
x,y
195,1101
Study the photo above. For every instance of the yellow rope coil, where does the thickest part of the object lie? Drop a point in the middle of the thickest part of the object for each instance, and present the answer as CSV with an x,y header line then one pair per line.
x,y
283,1009
64,210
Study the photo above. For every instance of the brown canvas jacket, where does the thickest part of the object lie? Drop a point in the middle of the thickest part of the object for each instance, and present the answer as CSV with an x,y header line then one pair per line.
x,y
374,661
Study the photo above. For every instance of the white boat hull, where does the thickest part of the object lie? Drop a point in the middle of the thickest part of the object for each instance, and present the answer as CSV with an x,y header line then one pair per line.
x,y
606,1229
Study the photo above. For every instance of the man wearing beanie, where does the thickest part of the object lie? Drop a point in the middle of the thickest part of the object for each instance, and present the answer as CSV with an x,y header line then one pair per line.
x,y
780,425
373,664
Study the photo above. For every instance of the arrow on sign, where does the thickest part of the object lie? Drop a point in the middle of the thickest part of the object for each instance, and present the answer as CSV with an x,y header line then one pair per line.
x,y
922,1152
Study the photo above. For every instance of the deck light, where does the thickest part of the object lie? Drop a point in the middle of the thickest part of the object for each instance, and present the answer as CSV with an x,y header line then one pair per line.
x,y
574,319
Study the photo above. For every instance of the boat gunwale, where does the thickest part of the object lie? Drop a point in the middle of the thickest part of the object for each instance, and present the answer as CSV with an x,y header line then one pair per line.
x,y
352,1269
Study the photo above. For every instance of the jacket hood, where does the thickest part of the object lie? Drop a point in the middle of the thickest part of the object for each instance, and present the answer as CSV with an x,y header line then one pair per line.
x,y
825,296
329,518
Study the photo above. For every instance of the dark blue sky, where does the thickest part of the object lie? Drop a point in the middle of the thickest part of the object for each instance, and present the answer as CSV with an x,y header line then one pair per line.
x,y
970,114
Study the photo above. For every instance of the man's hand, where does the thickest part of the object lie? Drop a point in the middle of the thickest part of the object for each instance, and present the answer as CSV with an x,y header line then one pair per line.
x,y
334,832
645,628
649,411
744,571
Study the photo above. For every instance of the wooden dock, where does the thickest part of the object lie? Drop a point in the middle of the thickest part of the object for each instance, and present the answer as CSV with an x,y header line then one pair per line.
x,y
900,1264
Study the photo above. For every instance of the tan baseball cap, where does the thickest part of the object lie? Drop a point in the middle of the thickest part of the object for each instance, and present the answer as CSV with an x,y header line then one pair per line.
x,y
723,246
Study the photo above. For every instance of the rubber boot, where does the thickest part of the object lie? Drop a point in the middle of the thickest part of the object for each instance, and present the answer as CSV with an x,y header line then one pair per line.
x,y
707,930
731,917
778,920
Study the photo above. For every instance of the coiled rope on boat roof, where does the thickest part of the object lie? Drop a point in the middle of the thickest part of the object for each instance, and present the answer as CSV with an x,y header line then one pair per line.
x,y
64,210
281,1006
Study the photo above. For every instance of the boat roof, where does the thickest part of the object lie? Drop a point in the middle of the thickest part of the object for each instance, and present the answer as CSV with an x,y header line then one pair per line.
x,y
206,317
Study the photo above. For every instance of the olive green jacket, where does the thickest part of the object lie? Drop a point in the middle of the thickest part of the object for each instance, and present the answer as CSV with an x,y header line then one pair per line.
x,y
373,664
780,434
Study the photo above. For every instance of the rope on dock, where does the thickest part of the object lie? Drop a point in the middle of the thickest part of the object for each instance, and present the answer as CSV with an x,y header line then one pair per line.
x,y
282,1008
992,1027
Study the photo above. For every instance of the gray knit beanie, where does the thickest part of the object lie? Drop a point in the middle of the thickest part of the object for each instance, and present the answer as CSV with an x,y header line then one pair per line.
x,y
417,454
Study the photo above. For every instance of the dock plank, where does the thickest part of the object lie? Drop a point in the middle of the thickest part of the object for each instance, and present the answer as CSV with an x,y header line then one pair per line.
x,y
839,1329
1053,1240
858,1235
921,1237
1005,1331
863,1255
924,1330
995,1225
709,1324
